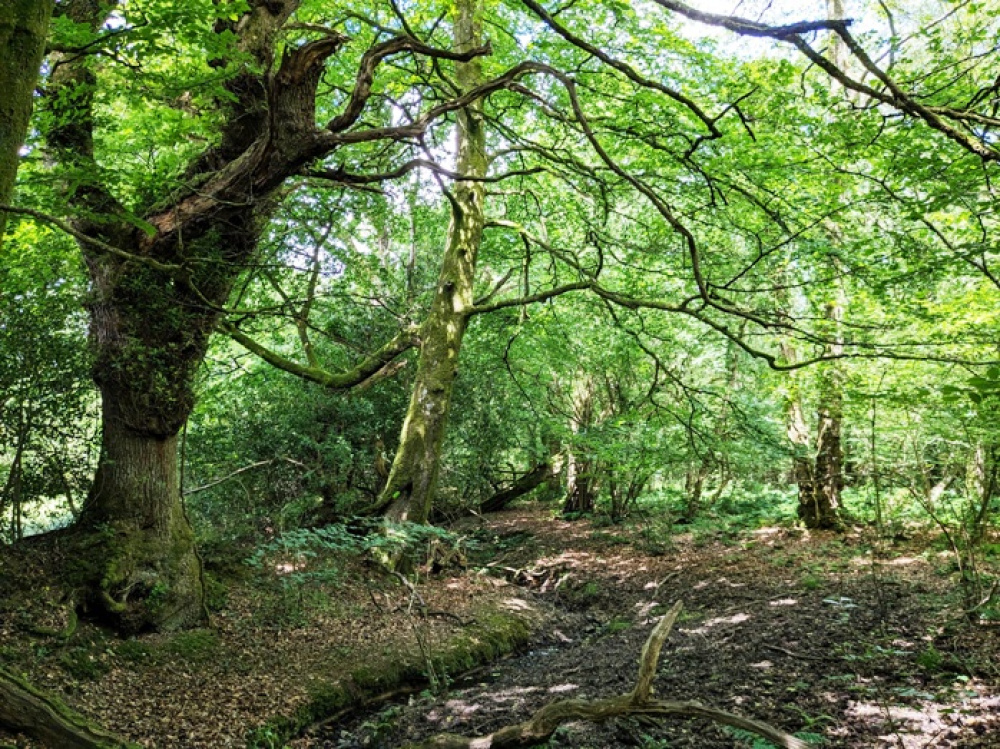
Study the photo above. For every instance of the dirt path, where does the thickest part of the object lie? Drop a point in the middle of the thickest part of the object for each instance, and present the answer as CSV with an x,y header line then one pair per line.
x,y
803,632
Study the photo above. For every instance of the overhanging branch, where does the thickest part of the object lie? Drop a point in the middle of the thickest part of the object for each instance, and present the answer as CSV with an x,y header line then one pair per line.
x,y
368,368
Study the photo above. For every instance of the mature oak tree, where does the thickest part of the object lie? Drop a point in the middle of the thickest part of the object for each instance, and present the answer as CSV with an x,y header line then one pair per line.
x,y
162,274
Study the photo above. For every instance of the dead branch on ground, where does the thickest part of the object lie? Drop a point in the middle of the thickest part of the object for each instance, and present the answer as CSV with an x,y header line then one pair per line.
x,y
540,726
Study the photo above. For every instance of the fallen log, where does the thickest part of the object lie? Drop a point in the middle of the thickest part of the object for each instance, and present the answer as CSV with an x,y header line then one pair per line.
x,y
540,726
25,709
529,481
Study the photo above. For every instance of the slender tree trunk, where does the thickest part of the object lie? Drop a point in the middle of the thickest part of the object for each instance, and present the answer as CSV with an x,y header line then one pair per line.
x,y
409,491
694,484
821,479
829,471
580,485
798,433
24,26
581,471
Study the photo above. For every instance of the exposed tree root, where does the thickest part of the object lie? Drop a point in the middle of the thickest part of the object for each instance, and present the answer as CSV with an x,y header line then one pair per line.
x,y
28,710
543,723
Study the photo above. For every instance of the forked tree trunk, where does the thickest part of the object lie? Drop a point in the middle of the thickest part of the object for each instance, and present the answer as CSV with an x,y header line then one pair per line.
x,y
24,26
156,298
409,491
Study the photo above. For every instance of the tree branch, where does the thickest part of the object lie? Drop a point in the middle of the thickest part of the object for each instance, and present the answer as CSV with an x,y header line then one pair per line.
x,y
79,236
368,368
541,296
374,57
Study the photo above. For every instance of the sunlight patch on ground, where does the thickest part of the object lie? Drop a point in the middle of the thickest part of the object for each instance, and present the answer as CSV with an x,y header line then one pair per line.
x,y
517,604
460,707
513,694
707,625
559,688
930,723
769,530
287,568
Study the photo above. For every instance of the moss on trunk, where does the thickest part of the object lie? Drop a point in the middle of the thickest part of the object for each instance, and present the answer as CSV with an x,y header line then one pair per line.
x,y
409,491
24,25
142,570
28,710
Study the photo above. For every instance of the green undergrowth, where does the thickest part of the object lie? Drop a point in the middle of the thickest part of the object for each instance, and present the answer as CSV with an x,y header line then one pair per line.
x,y
493,634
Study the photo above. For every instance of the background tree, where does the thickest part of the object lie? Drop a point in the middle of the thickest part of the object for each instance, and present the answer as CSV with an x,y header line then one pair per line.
x,y
24,26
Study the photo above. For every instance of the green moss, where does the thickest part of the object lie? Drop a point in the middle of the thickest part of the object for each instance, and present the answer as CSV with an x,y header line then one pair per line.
x,y
82,665
583,596
194,645
100,737
494,634
617,625
134,651
811,582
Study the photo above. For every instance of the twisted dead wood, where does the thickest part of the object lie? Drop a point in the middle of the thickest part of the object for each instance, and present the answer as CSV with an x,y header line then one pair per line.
x,y
540,726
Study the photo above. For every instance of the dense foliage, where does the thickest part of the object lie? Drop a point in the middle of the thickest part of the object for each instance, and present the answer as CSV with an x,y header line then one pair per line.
x,y
713,267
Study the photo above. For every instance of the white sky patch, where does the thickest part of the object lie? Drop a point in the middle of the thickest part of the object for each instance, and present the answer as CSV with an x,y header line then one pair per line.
x,y
771,12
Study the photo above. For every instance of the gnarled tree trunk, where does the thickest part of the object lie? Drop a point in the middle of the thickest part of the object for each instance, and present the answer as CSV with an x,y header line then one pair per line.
x,y
153,311
409,491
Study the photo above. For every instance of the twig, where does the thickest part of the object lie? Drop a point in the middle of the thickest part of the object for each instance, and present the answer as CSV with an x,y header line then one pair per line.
x,y
792,654
663,582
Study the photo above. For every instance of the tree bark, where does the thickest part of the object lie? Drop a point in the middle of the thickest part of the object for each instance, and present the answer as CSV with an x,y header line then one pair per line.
x,y
581,471
409,491
151,317
822,509
526,483
133,520
24,26
27,710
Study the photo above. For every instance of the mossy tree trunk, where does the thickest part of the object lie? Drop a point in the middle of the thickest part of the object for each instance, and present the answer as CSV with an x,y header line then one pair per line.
x,y
24,25
25,709
156,298
409,490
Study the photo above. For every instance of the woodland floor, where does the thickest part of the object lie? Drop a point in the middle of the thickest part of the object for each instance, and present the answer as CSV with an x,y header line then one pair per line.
x,y
804,631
